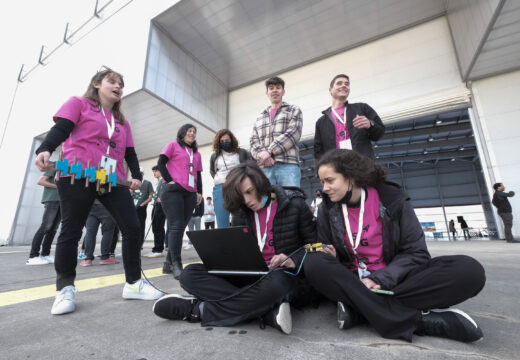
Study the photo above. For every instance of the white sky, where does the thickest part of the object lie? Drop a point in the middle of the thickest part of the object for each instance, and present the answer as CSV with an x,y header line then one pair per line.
x,y
26,25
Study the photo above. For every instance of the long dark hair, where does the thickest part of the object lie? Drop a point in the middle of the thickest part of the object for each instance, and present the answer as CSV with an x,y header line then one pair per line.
x,y
182,133
216,141
233,198
363,170
93,94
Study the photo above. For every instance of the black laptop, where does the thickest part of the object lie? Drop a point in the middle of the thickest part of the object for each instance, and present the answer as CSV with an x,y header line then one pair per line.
x,y
229,251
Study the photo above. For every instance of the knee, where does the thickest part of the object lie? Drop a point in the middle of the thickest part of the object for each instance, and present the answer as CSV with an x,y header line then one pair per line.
x,y
471,273
313,265
190,274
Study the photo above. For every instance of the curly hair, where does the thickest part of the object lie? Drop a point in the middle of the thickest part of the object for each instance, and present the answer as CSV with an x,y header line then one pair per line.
x,y
233,198
363,170
183,130
92,92
216,141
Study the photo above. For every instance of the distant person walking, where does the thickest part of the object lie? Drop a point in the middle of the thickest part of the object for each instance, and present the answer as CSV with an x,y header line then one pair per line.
x,y
50,222
209,214
464,227
504,209
452,229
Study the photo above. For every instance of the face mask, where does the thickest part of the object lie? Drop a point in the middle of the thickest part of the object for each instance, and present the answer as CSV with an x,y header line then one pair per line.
x,y
225,146
347,196
264,200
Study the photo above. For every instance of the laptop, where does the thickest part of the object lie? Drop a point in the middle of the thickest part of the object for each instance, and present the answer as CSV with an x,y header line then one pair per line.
x,y
229,251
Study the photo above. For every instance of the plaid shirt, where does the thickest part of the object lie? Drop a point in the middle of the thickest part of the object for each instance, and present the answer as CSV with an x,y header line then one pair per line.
x,y
280,136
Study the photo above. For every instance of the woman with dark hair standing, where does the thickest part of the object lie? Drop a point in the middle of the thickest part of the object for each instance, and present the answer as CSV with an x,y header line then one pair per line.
x,y
226,155
180,166
282,223
378,268
93,130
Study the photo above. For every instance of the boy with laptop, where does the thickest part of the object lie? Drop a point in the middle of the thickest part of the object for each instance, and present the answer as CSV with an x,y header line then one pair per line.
x,y
282,223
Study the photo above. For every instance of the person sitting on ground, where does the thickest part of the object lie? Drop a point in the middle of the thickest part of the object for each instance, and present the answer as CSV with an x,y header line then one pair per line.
x,y
282,223
375,242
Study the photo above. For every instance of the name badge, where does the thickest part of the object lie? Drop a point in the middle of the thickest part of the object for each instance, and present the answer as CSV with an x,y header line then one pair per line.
x,y
107,162
191,180
345,144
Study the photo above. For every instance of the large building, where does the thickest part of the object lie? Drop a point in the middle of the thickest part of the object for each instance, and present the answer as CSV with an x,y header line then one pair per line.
x,y
444,75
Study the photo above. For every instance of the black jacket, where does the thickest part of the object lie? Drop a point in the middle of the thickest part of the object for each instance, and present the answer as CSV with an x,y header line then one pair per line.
x,y
293,224
500,201
404,247
243,156
325,132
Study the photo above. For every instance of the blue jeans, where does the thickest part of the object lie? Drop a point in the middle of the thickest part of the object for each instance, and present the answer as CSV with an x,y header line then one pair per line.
x,y
221,213
283,174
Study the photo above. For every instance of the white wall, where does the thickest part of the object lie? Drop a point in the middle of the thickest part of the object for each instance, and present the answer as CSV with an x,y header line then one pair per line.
x,y
119,43
498,109
410,67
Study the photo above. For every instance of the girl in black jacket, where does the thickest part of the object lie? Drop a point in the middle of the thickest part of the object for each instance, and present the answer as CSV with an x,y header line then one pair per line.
x,y
377,266
282,223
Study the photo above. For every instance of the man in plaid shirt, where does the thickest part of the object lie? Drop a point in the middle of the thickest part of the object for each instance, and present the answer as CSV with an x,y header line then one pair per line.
x,y
274,141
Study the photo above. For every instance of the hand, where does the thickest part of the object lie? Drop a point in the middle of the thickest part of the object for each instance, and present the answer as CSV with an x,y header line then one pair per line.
x,y
135,184
371,284
199,198
330,249
42,161
269,162
263,155
171,182
279,259
361,122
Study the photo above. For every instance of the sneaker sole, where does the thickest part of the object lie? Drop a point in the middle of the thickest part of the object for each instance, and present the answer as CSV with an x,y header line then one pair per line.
x,y
341,322
460,312
284,318
172,296
32,264
108,263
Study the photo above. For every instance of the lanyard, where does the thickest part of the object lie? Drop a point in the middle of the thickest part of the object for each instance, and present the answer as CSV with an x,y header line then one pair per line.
x,y
111,126
360,223
191,158
261,238
341,120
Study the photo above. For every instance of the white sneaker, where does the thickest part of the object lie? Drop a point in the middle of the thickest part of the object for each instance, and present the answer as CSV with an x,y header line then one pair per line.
x,y
64,302
141,290
49,258
37,261
188,246
153,254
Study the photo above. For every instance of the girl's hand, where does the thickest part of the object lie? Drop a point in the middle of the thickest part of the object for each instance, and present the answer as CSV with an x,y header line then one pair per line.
x,y
135,184
371,284
329,249
42,161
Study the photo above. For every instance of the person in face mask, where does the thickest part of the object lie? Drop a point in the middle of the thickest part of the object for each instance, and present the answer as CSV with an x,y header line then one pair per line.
x,y
282,223
226,155
376,265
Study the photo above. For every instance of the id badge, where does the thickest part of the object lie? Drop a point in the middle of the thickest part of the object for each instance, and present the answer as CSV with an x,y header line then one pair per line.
x,y
191,180
362,270
345,144
107,162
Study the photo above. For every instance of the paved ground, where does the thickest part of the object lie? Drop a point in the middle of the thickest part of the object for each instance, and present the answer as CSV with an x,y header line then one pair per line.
x,y
107,327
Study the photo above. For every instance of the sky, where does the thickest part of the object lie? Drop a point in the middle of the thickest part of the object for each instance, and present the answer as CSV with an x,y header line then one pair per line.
x,y
26,25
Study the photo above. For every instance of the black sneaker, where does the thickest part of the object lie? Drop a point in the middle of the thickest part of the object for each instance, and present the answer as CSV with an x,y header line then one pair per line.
x,y
449,323
280,318
348,317
167,268
177,307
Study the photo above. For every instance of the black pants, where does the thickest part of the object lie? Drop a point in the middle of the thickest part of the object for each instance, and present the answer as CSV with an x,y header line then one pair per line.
x,y
507,218
158,220
440,283
76,201
209,225
248,305
99,215
47,230
178,204
141,215
466,233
